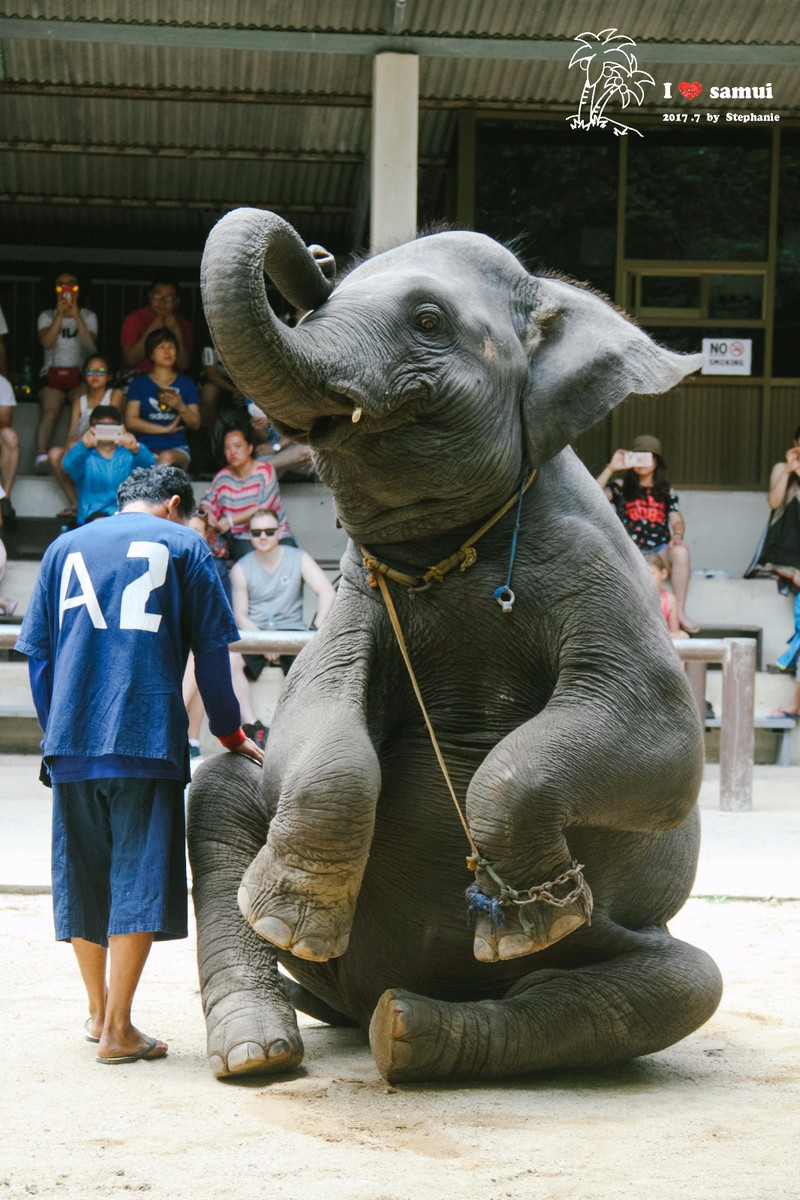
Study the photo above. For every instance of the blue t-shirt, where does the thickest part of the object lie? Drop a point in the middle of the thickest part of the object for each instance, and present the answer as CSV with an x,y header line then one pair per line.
x,y
98,478
116,608
143,389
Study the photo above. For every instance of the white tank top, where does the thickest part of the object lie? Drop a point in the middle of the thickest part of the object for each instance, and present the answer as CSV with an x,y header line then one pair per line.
x,y
83,420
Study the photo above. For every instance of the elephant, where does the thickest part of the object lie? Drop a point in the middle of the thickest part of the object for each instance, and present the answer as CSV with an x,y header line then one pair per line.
x,y
439,385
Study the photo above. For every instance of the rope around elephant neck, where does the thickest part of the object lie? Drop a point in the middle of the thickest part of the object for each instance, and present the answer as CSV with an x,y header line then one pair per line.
x,y
466,555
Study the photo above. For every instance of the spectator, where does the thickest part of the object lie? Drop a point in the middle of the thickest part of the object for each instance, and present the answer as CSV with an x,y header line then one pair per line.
x,y
7,607
239,490
162,404
159,313
67,333
779,552
3,356
669,607
793,710
648,508
113,614
95,391
9,448
99,462
268,594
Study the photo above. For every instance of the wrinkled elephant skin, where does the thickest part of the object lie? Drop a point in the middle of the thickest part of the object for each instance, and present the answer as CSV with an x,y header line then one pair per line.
x,y
431,382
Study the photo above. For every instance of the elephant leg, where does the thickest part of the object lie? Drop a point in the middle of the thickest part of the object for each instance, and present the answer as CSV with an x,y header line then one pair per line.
x,y
566,769
639,1002
300,890
252,1027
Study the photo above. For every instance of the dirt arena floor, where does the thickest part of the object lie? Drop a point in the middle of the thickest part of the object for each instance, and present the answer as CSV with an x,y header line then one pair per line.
x,y
715,1118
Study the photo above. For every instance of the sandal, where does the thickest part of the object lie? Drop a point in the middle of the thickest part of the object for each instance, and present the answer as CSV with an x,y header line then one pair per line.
x,y
782,713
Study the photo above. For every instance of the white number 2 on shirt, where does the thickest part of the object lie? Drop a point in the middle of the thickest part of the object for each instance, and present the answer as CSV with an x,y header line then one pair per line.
x,y
132,614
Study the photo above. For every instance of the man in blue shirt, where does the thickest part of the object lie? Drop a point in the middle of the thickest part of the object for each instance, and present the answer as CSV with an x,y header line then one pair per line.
x,y
116,608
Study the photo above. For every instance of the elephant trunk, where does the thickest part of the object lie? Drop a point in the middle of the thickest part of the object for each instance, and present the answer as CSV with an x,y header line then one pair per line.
x,y
281,371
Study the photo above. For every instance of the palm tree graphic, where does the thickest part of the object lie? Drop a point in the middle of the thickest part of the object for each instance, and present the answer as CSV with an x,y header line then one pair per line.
x,y
611,72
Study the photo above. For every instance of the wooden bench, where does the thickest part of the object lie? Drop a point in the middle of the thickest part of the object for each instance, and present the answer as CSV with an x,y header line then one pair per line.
x,y
755,632
781,726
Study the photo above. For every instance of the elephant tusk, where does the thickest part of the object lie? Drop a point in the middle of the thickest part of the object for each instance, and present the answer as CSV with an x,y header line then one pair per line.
x,y
356,417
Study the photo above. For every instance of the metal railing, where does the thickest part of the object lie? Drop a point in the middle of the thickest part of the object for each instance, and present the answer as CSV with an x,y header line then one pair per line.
x,y
737,656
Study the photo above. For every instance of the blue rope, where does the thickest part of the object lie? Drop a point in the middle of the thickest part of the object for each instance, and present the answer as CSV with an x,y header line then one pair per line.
x,y
506,587
479,902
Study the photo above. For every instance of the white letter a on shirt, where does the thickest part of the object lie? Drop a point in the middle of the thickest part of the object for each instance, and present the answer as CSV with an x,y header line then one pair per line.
x,y
87,595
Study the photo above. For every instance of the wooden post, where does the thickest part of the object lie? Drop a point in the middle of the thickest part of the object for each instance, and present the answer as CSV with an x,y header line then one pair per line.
x,y
736,740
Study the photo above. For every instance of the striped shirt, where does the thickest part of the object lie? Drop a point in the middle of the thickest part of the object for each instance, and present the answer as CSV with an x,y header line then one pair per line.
x,y
230,497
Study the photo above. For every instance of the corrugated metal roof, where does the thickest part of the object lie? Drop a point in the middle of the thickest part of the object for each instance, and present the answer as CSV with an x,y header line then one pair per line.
x,y
672,20
220,150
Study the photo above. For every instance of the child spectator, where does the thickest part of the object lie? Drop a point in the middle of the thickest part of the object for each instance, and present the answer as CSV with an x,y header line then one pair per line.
x,y
669,606
96,391
68,334
99,465
9,448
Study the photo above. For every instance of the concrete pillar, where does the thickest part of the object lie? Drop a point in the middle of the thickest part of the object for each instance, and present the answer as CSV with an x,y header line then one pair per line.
x,y
395,121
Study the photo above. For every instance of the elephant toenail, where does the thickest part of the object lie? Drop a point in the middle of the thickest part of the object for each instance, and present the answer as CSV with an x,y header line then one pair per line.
x,y
313,949
513,945
274,930
484,951
565,925
245,1055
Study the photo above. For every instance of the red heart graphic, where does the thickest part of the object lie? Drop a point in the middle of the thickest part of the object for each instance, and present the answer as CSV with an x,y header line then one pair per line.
x,y
690,91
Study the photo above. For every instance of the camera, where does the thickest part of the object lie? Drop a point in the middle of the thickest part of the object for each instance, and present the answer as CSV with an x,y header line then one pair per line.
x,y
637,458
108,433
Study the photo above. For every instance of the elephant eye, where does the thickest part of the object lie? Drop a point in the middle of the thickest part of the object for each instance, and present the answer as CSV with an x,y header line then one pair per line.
x,y
428,320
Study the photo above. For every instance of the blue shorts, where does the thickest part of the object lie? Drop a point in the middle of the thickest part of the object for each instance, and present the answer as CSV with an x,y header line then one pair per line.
x,y
119,859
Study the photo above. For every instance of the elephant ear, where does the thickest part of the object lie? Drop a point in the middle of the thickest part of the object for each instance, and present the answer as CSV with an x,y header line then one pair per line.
x,y
585,357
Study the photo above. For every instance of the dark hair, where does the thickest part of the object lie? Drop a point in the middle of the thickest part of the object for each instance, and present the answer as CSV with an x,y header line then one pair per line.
x,y
797,434
103,412
156,338
156,485
161,282
631,487
102,358
246,433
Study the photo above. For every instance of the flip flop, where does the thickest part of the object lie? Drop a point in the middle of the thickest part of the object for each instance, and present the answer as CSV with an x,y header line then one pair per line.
x,y
145,1054
780,713
89,1036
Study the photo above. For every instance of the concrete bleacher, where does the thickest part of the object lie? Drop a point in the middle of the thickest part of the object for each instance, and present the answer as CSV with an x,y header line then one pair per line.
x,y
723,529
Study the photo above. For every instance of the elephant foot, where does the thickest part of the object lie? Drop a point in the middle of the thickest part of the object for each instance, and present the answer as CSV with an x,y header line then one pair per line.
x,y
417,1040
535,926
314,928
253,1042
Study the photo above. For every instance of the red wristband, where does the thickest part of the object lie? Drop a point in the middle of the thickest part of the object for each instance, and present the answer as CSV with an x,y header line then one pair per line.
x,y
234,740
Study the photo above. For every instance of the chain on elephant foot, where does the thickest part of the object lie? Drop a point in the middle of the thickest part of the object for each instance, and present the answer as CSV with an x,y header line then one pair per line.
x,y
510,923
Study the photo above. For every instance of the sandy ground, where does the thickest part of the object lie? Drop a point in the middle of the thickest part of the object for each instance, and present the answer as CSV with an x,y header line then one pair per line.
x,y
714,1118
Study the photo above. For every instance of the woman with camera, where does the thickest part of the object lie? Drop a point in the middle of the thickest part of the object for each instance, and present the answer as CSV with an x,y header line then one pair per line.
x,y
648,508
162,405
67,334
96,390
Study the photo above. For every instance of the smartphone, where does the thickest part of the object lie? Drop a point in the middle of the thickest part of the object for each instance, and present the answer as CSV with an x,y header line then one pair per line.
x,y
109,433
637,458
167,398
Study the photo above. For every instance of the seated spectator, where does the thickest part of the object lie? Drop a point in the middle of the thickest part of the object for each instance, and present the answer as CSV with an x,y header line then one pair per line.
x,y
159,313
779,551
3,356
268,594
162,404
669,606
241,489
7,607
648,508
98,464
96,390
9,448
68,334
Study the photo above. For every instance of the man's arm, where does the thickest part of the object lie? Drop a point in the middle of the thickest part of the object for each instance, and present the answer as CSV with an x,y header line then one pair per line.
x,y
213,674
40,673
315,578
240,599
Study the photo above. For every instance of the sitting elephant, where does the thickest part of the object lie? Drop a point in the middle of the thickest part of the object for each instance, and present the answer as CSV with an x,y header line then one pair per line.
x,y
438,385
